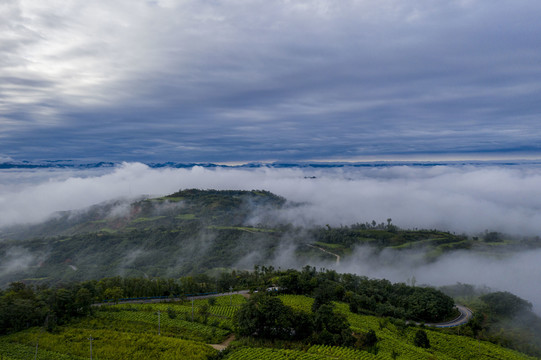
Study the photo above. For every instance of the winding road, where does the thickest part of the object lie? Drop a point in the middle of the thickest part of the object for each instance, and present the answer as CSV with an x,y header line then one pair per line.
x,y
465,316
161,300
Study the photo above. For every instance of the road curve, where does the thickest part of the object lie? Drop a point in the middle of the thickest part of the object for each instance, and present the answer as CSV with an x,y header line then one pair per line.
x,y
465,316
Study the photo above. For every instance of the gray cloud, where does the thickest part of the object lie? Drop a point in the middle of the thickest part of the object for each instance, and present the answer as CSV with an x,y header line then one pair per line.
x,y
197,81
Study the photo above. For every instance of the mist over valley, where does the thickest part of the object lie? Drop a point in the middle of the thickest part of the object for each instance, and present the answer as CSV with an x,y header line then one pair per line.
x,y
480,222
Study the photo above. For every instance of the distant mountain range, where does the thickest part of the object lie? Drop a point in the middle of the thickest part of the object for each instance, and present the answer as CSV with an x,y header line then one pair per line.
x,y
76,164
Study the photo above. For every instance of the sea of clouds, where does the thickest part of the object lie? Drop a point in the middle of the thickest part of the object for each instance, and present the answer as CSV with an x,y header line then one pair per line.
x,y
462,199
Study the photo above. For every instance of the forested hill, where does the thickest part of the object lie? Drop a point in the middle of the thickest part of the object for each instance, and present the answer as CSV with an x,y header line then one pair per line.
x,y
211,207
196,231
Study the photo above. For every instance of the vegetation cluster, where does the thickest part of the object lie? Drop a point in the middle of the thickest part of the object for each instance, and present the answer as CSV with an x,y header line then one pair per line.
x,y
280,324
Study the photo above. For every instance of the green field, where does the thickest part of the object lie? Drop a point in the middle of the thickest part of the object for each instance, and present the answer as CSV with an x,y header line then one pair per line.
x,y
166,331
131,331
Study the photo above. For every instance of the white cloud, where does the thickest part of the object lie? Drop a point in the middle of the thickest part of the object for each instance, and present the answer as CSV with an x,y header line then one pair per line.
x,y
460,199
514,272
16,259
457,198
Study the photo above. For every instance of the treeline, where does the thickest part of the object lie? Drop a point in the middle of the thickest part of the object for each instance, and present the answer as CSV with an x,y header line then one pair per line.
x,y
369,296
384,235
23,306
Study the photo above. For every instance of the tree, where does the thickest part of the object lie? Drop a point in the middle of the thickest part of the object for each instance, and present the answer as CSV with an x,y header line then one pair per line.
x,y
326,322
371,339
421,339
83,301
114,293
323,294
247,319
171,313
265,316
203,311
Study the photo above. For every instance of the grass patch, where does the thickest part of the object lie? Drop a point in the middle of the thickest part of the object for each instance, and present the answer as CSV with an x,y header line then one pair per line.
x,y
166,198
144,219
103,221
329,246
241,228
186,217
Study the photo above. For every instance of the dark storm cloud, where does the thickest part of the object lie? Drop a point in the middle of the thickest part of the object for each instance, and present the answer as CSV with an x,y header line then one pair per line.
x,y
198,81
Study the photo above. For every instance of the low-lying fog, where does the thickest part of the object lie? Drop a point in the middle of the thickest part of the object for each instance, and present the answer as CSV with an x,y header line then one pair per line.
x,y
461,199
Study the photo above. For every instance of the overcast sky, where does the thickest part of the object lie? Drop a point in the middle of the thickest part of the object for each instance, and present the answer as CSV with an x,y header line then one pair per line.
x,y
261,80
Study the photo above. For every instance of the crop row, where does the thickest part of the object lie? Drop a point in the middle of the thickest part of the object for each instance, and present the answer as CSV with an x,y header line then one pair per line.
x,y
232,302
15,351
166,321
112,345
462,347
397,340
248,353
338,352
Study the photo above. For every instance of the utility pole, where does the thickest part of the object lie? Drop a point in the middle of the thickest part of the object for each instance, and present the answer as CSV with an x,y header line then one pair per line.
x,y
90,338
37,342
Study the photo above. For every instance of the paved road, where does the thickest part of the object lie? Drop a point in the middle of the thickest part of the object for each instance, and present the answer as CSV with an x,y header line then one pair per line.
x,y
144,301
465,313
465,316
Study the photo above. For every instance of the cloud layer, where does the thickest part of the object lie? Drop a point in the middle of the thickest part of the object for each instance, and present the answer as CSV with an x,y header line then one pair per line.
x,y
466,199
255,80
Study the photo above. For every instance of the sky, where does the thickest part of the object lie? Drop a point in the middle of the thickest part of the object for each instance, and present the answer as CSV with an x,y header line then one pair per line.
x,y
256,80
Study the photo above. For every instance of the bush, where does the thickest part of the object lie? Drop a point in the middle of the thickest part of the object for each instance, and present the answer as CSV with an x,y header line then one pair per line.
x,y
421,339
171,313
